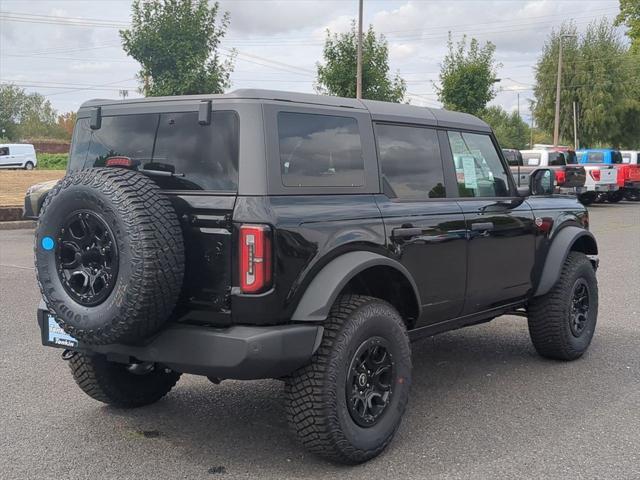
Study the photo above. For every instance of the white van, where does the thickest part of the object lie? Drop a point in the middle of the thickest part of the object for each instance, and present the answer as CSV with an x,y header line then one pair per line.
x,y
17,155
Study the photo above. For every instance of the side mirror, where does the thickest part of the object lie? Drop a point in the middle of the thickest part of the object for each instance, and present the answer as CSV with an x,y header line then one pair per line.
x,y
524,191
541,181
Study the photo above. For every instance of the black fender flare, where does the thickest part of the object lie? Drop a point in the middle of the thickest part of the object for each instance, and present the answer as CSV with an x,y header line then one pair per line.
x,y
320,295
561,245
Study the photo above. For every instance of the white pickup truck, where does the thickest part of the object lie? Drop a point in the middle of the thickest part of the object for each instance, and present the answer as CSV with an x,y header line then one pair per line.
x,y
601,178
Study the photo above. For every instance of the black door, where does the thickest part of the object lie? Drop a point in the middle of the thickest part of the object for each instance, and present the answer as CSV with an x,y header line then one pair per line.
x,y
500,226
425,230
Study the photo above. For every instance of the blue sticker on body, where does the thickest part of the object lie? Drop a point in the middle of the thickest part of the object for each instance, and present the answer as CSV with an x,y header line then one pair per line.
x,y
58,336
47,243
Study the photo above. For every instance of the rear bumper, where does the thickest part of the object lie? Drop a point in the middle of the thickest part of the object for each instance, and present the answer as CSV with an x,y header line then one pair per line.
x,y
238,352
632,185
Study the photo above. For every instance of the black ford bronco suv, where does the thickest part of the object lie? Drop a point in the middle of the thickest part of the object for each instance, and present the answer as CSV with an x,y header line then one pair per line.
x,y
264,234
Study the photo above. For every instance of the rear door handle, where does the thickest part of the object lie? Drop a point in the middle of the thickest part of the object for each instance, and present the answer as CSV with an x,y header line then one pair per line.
x,y
481,226
406,232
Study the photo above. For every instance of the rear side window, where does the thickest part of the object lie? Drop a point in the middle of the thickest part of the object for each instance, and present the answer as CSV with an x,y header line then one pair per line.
x,y
595,157
556,159
616,157
203,157
410,162
626,158
479,171
531,158
319,150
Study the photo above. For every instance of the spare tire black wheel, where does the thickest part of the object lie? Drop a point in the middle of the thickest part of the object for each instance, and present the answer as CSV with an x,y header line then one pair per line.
x,y
109,255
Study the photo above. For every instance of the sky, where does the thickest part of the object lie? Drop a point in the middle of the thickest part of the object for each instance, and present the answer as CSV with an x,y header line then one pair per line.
x,y
69,50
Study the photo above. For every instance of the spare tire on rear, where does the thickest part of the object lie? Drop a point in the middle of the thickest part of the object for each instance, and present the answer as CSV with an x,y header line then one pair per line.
x,y
109,255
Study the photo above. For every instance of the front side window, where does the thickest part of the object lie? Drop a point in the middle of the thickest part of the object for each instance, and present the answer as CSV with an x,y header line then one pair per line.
x,y
4,151
319,150
479,171
410,162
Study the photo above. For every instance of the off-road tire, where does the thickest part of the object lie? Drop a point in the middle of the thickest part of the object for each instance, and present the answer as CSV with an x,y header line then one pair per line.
x,y
587,198
150,255
550,315
633,195
112,383
316,401
615,197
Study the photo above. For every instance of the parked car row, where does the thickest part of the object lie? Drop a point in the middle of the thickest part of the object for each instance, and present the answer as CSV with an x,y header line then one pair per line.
x,y
591,174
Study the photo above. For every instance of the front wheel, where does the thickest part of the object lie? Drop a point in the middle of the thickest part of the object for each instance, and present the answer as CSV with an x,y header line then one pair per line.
x,y
347,404
563,321
116,384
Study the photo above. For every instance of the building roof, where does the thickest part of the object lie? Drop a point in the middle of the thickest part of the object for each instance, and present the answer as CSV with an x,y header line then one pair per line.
x,y
386,111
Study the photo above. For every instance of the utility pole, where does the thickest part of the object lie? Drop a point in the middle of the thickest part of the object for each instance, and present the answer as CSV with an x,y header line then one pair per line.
x,y
556,123
531,106
576,146
359,59
519,106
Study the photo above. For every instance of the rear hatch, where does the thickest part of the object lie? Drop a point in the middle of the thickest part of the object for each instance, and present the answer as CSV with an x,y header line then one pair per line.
x,y
574,176
601,174
196,165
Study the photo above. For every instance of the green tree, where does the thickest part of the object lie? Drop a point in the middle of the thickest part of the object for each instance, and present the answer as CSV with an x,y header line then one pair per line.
x,y
338,74
467,76
597,74
510,129
26,115
177,43
630,16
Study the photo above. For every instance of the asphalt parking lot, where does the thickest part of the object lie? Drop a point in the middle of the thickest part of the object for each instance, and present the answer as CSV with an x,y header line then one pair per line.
x,y
483,404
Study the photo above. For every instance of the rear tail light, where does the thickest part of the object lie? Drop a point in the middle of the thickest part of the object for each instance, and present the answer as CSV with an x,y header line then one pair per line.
x,y
255,258
560,177
595,174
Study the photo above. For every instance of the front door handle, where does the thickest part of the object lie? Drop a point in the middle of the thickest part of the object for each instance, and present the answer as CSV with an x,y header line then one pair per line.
x,y
481,226
406,232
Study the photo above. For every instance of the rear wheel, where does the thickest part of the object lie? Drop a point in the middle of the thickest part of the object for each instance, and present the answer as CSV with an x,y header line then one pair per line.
x,y
562,322
615,197
347,404
28,166
587,198
121,385
633,195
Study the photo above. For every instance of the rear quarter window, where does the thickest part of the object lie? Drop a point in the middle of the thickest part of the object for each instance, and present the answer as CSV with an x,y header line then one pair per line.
x,y
319,150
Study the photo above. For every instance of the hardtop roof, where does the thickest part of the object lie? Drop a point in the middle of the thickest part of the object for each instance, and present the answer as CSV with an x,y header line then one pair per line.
x,y
379,110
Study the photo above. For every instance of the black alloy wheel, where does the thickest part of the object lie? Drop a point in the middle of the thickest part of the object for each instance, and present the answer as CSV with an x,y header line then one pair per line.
x,y
369,382
87,258
579,307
